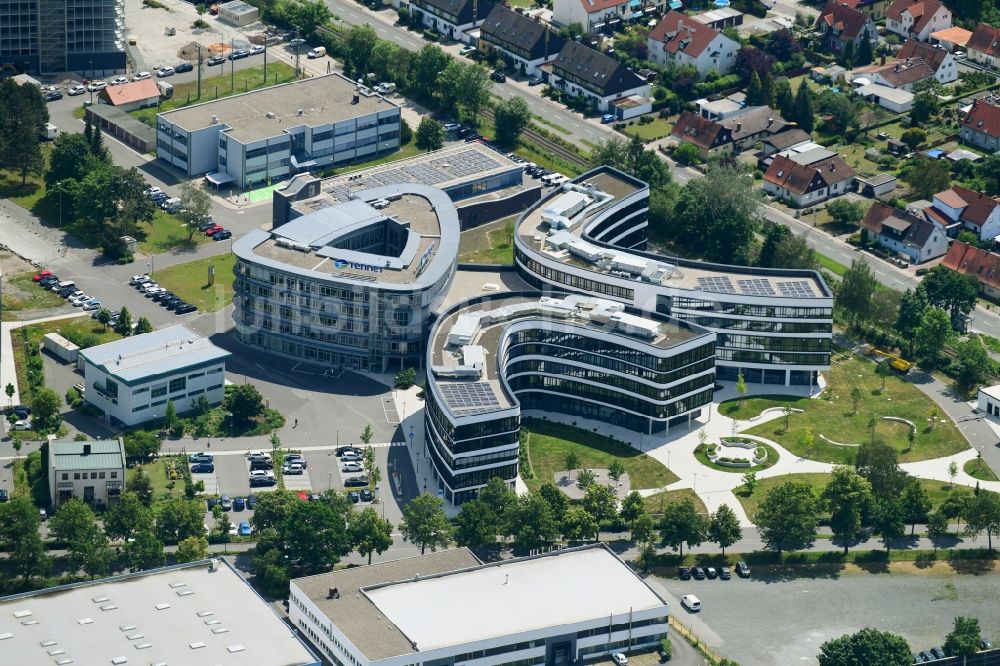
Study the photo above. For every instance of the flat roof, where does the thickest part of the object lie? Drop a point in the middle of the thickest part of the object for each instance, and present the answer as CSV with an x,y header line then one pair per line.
x,y
184,614
322,100
991,391
100,454
570,245
396,608
306,245
167,351
443,169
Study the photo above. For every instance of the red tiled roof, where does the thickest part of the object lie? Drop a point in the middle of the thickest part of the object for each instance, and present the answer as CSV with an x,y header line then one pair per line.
x,y
983,117
678,32
955,35
969,260
914,49
985,39
951,198
850,22
130,92
591,6
922,11
697,130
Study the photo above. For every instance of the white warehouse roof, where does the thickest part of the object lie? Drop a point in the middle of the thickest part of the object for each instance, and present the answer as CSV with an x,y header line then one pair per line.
x,y
150,354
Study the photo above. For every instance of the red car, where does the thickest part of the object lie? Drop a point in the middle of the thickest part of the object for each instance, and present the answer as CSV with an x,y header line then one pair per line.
x,y
41,276
214,229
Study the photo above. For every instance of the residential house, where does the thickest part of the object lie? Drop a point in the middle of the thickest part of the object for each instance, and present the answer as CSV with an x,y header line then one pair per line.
x,y
972,210
131,96
917,19
981,264
893,99
951,38
808,184
581,71
683,40
984,45
452,18
877,184
785,140
522,41
914,63
732,135
92,471
594,15
904,233
874,8
981,125
840,24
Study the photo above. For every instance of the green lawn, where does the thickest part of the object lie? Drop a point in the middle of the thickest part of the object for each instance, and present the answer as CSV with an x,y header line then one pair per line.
x,y
831,265
546,160
31,193
22,293
833,417
548,444
854,155
167,233
76,329
488,245
701,453
657,129
655,503
978,469
157,472
190,281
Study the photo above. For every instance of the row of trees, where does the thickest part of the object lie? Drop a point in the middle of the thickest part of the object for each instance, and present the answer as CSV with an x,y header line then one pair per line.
x,y
22,120
871,646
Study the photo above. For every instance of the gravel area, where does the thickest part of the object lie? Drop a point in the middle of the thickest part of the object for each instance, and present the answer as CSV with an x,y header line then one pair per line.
x,y
774,619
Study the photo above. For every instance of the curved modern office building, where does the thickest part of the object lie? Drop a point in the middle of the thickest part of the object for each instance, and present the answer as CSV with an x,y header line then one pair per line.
x,y
773,325
578,355
349,285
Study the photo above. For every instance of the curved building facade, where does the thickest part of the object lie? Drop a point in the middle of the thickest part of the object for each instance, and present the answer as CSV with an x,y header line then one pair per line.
x,y
490,357
772,325
349,285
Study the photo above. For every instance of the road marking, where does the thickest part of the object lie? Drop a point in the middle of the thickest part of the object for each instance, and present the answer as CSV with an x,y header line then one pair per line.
x,y
387,407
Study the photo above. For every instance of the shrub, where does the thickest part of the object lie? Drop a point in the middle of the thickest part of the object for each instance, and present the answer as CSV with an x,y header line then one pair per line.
x,y
431,35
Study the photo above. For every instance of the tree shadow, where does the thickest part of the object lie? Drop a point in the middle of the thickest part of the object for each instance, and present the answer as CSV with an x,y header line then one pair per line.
x,y
875,561
11,189
975,562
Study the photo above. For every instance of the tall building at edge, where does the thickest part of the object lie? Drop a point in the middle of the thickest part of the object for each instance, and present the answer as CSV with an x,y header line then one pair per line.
x,y
53,36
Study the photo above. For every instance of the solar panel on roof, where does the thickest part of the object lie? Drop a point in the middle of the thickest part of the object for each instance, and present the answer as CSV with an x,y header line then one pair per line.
x,y
800,288
468,398
756,287
717,283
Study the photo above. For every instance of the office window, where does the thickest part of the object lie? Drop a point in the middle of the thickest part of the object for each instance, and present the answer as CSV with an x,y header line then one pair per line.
x,y
65,476
178,384
100,475
159,391
114,475
93,475
76,476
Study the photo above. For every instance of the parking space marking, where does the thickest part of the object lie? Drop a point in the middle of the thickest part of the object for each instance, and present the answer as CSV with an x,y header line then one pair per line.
x,y
389,407
295,368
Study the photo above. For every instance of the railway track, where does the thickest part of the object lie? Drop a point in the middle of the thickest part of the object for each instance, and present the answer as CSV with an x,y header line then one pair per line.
x,y
548,145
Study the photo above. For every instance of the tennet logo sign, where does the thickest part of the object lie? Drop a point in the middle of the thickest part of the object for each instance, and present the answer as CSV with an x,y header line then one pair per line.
x,y
340,264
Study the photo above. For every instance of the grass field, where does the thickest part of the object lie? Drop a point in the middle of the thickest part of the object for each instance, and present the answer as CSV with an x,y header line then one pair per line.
x,y
190,281
29,195
489,244
834,417
166,233
937,491
702,455
978,469
22,293
831,265
548,444
657,129
78,329
655,503
157,472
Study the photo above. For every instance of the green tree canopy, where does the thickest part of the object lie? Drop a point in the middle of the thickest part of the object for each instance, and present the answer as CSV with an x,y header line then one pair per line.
x,y
681,523
530,522
45,410
931,336
848,498
126,517
424,523
245,403
370,532
430,134
856,288
788,516
964,638
868,646
511,116
724,527
477,526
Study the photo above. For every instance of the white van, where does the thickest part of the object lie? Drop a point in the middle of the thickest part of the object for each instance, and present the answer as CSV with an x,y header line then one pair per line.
x,y
691,602
554,179
317,52
171,205
62,285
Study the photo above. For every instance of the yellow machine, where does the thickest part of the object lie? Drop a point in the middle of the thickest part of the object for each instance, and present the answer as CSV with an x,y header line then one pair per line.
x,y
896,363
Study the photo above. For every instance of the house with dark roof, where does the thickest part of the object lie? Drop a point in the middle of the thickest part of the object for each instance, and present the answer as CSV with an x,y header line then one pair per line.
x,y
874,8
972,210
580,71
732,135
980,264
683,40
785,140
452,18
808,184
981,125
915,62
902,232
917,19
839,24
523,42
984,45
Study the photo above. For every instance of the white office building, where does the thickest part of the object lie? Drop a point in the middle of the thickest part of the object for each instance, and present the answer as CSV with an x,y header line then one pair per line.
x,y
447,608
132,379
267,135
92,471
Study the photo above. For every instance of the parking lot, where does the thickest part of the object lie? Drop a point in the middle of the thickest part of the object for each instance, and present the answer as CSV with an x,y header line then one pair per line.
x,y
782,616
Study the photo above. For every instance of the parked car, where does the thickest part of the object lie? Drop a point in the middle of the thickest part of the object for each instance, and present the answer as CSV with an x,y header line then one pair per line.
x,y
350,456
165,71
352,467
262,481
341,450
260,463
724,573
293,470
742,570
48,281
160,295
53,96
136,279
244,527
295,457
23,424
691,602
22,411
251,501
711,573
698,573
92,304
212,501
95,86
317,52
141,76
354,497
619,658
225,234
535,81
239,504
499,77
3,495
216,60
356,481
684,573
466,50
183,67
202,468
256,49
366,495
214,229
938,652
239,54
226,503
172,302
185,308
607,119
41,275
76,90
201,457
119,80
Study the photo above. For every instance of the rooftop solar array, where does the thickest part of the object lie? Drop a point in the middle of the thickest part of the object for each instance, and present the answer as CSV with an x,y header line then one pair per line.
x,y
800,288
717,283
756,287
469,398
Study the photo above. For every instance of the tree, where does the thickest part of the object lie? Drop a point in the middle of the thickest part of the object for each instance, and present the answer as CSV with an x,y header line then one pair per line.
x,y
110,201
913,137
925,106
464,85
510,117
952,472
424,523
23,119
931,336
847,57
964,638
499,497
104,317
856,289
196,208
531,523
878,462
803,108
868,646
956,506
579,525
141,446
430,134
848,498
245,403
751,60
953,292
784,98
601,503
369,532
865,51
405,378
937,527
856,396
633,507
70,160
315,535
142,486
687,153
126,517
681,523
616,470
123,326
888,519
632,157
555,498
191,549
750,481
367,434
384,60
71,522
741,388
788,516
477,526
846,212
429,62
755,96
19,523
359,47
45,408
178,519
571,460
973,364
145,551
912,306
571,31
724,527
916,504
928,176
585,479
983,515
